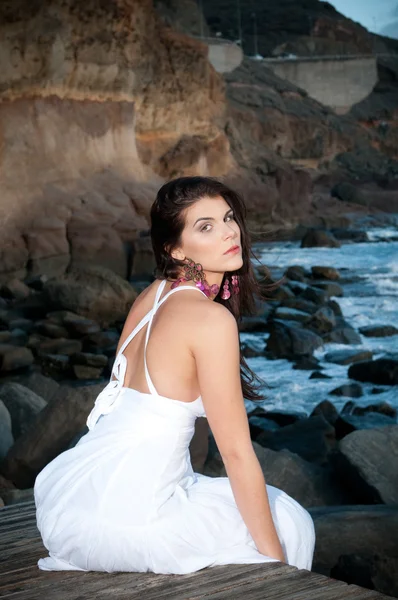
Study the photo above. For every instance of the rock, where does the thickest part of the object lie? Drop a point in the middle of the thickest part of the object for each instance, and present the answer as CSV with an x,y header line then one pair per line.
x,y
63,346
79,326
93,292
290,314
15,290
281,293
327,410
13,358
300,304
353,530
322,321
5,484
282,419
374,572
349,193
335,308
382,408
103,342
143,260
343,335
309,484
316,238
306,363
350,235
315,295
253,323
98,361
365,462
325,273
51,330
250,350
295,273
286,341
378,330
311,438
382,371
5,337
259,424
330,287
42,386
369,420
346,357
54,365
21,323
352,390
199,446
56,425
6,437
87,372
319,375
23,406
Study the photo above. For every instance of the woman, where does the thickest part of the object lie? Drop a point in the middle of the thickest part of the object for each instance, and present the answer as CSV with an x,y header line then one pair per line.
x,y
125,498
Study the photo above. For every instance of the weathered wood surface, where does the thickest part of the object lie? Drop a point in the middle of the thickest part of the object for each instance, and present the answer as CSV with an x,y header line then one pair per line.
x,y
20,578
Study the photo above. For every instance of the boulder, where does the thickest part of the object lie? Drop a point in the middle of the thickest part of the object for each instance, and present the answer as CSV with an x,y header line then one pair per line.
x,y
15,290
312,439
56,425
319,375
382,408
309,484
346,357
350,235
343,335
315,295
316,238
366,462
330,287
287,341
23,406
378,330
306,363
322,321
300,304
351,390
325,273
290,314
6,437
63,346
13,358
296,273
42,386
91,291
361,530
370,571
382,371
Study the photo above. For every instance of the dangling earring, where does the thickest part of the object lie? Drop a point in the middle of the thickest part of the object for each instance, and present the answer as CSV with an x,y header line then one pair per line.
x,y
235,284
225,292
194,272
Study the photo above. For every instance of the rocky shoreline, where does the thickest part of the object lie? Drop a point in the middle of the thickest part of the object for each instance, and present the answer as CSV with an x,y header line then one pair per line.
x,y
58,339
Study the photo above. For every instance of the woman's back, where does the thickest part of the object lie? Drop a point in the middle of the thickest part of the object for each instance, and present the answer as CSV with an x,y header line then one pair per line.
x,y
170,363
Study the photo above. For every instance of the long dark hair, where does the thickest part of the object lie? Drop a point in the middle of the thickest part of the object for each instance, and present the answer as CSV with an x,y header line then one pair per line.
x,y
167,224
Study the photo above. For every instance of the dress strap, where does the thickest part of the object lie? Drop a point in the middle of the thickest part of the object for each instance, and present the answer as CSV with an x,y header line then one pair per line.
x,y
156,305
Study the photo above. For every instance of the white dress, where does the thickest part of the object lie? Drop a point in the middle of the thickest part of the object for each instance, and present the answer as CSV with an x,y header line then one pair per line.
x,y
125,498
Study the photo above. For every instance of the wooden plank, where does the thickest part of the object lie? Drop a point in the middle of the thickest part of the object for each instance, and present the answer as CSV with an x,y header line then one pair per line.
x,y
21,579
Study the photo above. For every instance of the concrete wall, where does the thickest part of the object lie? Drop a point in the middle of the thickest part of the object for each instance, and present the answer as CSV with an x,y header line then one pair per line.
x,y
224,55
338,82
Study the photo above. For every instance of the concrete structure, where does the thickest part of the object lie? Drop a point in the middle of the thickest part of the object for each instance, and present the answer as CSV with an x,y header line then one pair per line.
x,y
224,55
336,81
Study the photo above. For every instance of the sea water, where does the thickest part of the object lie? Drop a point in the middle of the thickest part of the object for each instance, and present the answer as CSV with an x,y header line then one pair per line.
x,y
369,278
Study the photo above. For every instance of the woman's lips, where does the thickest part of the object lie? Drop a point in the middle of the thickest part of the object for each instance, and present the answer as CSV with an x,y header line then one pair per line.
x,y
232,250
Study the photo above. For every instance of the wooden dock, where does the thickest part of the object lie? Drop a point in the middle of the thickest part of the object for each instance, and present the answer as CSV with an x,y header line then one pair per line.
x,y
20,578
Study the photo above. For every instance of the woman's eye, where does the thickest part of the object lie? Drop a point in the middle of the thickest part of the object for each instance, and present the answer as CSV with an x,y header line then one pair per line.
x,y
205,227
230,217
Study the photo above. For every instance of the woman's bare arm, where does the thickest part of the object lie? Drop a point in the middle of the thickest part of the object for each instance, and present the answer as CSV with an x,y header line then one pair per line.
x,y
215,347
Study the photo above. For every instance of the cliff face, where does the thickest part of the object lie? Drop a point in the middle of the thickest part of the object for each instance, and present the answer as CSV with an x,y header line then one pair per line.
x,y
83,85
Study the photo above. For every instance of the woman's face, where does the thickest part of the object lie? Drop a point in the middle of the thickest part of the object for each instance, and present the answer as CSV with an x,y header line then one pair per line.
x,y
210,232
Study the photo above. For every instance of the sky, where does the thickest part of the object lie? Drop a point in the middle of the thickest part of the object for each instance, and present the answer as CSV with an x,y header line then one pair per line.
x,y
375,15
